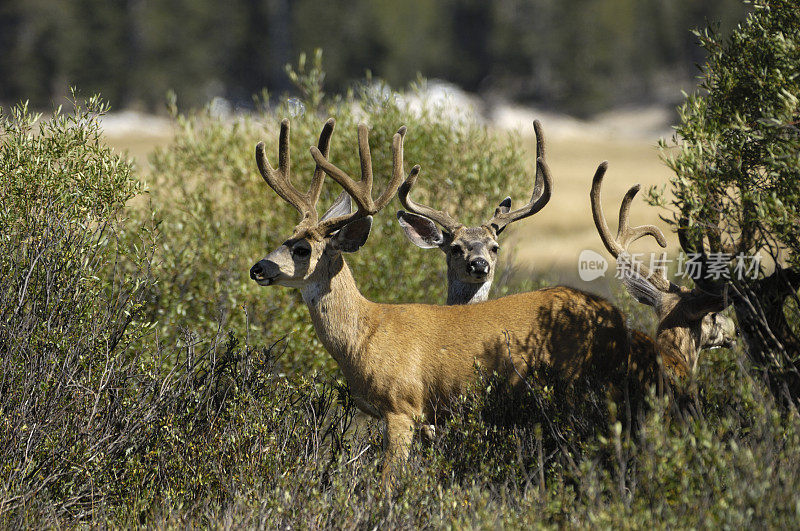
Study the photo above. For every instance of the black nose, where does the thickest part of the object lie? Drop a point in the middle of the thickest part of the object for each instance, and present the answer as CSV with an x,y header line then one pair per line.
x,y
257,271
479,266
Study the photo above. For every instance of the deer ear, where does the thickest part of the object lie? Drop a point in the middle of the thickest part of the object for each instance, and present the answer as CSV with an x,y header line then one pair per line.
x,y
420,230
504,207
352,236
340,207
639,287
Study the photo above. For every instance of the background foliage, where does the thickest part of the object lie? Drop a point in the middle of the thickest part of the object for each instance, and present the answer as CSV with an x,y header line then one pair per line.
x,y
579,56
739,136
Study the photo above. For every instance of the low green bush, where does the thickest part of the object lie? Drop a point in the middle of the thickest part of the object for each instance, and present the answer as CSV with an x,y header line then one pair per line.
x,y
74,275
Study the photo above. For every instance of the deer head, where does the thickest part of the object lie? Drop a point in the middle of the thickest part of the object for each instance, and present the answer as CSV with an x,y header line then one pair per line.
x,y
689,319
307,254
471,252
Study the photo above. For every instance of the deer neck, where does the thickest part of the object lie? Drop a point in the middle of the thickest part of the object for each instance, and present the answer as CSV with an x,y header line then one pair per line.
x,y
459,292
339,311
677,347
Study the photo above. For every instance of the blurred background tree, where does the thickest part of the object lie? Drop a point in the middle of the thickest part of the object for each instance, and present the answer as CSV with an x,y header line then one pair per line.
x,y
575,56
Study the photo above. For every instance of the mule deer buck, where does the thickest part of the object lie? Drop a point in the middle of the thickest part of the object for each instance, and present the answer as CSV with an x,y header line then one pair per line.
x,y
471,252
688,319
401,360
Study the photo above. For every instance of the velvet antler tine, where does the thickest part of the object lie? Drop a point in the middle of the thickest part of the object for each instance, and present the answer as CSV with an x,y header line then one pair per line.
x,y
695,246
438,216
540,142
264,167
687,244
277,181
597,212
542,188
627,234
625,210
634,233
745,241
284,158
365,157
323,146
397,169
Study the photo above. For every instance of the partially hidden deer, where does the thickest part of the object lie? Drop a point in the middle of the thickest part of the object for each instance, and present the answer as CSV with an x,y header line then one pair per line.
x,y
471,252
402,360
688,318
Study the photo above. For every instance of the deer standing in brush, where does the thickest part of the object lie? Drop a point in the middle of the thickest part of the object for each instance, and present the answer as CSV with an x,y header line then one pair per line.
x,y
401,360
471,252
688,318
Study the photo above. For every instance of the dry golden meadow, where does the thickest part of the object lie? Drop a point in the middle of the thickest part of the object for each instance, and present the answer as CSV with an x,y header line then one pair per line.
x,y
549,243
552,240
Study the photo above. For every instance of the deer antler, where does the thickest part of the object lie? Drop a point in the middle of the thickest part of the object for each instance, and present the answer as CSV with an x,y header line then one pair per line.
x,y
542,189
694,246
279,180
625,234
361,191
713,232
439,216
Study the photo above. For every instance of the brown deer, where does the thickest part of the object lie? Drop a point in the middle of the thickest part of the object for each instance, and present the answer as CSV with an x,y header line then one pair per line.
x,y
471,252
688,319
401,360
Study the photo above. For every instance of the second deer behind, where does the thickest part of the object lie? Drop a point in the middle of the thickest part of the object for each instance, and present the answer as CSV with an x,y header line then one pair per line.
x,y
471,252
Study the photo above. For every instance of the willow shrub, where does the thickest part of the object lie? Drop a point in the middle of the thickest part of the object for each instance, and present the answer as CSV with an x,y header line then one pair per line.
x,y
74,273
738,156
737,177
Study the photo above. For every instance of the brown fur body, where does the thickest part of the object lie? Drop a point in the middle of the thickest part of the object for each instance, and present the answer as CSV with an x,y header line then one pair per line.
x,y
403,361
406,358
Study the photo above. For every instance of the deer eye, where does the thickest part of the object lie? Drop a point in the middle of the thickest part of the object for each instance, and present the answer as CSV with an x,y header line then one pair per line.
x,y
300,252
495,249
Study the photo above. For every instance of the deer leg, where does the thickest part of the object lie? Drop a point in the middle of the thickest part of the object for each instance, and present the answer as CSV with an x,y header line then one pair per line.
x,y
397,440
